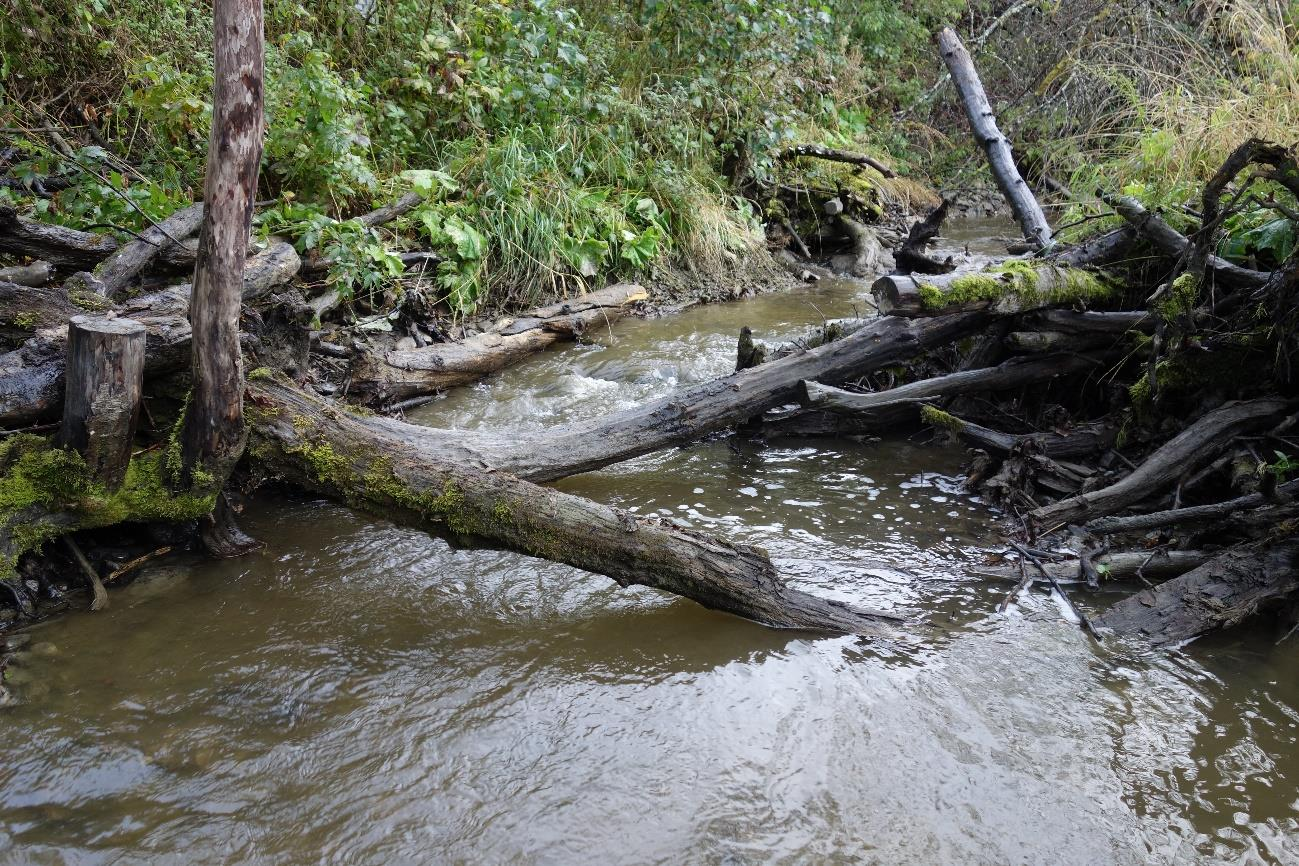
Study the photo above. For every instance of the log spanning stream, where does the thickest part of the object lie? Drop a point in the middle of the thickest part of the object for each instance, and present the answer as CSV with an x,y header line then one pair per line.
x,y
359,693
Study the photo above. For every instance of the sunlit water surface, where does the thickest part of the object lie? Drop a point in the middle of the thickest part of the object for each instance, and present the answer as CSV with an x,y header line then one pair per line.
x,y
363,694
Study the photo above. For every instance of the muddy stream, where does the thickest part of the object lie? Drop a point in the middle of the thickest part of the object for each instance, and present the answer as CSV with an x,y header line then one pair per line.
x,y
363,694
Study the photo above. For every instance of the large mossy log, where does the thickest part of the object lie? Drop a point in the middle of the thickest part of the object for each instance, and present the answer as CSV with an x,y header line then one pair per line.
x,y
393,469
1015,286
404,373
1218,594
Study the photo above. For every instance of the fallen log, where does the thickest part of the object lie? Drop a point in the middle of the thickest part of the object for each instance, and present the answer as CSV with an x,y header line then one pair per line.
x,y
1014,373
387,467
1099,251
400,374
1169,462
1173,243
1090,322
35,274
1083,439
1126,565
66,249
1191,514
835,155
27,309
130,259
31,376
1042,342
1218,594
70,250
1015,286
705,408
995,146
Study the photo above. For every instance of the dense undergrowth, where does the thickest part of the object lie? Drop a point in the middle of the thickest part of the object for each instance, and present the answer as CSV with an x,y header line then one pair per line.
x,y
565,143
556,143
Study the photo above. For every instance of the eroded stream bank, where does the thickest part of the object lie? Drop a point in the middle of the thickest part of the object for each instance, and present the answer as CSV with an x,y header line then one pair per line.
x,y
361,693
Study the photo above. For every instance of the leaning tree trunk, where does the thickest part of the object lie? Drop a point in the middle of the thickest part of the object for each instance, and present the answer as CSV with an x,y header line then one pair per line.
x,y
213,434
984,125
393,469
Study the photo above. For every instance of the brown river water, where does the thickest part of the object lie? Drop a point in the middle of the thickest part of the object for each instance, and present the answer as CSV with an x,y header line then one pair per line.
x,y
359,693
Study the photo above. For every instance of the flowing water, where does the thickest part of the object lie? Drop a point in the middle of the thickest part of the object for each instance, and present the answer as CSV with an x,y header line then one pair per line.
x,y
363,694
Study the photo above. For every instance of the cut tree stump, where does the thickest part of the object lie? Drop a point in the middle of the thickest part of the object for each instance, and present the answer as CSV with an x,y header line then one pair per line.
x,y
105,378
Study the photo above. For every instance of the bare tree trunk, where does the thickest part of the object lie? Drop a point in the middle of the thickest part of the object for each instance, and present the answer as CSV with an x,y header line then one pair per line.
x,y
213,435
984,125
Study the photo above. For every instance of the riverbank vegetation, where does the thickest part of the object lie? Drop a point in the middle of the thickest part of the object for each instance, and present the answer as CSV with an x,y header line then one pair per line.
x,y
555,144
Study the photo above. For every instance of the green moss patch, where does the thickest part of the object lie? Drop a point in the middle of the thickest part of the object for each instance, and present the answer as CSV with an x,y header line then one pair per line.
x,y
938,418
46,492
1032,284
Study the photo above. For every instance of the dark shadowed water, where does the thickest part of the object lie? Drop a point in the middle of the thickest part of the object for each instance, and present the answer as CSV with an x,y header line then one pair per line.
x,y
363,694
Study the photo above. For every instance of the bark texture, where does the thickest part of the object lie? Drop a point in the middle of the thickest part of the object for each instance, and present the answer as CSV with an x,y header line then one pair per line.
x,y
212,436
1218,594
995,145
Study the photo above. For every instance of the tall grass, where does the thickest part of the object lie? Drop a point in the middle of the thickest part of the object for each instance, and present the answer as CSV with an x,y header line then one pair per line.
x,y
1158,101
